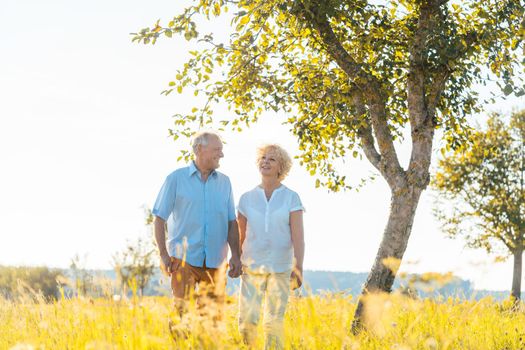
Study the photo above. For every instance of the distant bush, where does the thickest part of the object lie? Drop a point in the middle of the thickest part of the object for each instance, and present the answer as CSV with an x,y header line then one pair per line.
x,y
17,281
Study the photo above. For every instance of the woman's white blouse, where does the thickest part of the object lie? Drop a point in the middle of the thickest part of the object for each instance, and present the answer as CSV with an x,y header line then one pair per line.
x,y
268,243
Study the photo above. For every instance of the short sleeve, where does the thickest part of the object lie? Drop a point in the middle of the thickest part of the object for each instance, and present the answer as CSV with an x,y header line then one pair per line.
x,y
166,198
231,206
242,204
295,203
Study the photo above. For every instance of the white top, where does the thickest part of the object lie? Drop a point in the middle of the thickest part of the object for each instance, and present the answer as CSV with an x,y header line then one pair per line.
x,y
268,246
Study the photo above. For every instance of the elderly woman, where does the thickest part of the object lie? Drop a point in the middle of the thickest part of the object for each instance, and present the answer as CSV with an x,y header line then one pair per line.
x,y
270,221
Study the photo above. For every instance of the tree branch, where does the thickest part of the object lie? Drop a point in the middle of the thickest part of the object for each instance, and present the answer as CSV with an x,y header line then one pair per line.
x,y
391,169
420,115
364,132
429,14
333,46
365,83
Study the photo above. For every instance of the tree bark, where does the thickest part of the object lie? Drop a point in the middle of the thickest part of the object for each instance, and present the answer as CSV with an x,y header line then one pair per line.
x,y
395,239
516,274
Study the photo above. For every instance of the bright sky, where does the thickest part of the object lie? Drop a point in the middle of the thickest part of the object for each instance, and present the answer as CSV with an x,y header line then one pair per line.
x,y
84,146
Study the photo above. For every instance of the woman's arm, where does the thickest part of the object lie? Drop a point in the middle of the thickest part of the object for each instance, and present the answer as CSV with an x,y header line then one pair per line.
x,y
297,229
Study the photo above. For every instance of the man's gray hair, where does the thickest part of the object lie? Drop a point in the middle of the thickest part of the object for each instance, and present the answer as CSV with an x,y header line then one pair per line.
x,y
202,138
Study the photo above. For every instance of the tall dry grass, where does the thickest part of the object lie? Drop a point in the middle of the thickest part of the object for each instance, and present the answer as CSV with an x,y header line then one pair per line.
x,y
315,322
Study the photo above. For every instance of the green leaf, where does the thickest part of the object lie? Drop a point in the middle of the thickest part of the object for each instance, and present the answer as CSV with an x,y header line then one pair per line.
x,y
508,89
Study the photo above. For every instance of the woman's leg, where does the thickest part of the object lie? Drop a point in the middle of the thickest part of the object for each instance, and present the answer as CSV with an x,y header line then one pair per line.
x,y
277,293
250,301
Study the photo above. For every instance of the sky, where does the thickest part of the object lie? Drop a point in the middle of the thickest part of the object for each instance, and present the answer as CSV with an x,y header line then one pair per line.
x,y
84,147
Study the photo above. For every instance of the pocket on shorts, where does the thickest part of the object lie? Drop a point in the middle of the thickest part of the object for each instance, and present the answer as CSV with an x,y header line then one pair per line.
x,y
175,264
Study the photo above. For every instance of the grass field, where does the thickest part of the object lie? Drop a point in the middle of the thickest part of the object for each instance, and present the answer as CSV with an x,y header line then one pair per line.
x,y
317,322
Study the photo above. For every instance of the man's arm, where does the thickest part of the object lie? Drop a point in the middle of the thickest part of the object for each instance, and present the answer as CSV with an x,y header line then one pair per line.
x,y
242,221
160,238
297,230
233,241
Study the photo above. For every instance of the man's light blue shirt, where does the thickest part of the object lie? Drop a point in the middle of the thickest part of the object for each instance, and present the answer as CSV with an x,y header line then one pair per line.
x,y
197,214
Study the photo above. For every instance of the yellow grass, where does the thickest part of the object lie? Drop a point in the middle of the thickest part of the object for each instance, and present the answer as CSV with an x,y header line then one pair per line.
x,y
394,322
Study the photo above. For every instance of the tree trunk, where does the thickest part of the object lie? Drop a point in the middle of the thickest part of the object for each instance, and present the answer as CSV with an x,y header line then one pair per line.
x,y
395,239
516,275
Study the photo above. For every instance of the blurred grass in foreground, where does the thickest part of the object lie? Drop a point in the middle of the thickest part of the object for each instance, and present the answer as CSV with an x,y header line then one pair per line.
x,y
316,322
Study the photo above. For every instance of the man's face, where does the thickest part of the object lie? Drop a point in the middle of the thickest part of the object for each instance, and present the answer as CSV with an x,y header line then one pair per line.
x,y
210,155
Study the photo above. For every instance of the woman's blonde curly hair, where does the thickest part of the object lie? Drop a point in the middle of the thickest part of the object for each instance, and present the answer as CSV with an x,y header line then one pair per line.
x,y
282,157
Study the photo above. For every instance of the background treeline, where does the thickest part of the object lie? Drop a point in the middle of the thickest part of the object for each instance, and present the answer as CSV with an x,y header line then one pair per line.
x,y
15,281
41,282
50,283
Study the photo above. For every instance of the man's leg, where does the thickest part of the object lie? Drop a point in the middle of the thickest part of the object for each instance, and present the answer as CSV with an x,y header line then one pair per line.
x,y
212,291
182,284
277,294
250,301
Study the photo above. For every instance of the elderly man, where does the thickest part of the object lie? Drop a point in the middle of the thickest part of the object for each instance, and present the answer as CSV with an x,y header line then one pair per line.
x,y
197,203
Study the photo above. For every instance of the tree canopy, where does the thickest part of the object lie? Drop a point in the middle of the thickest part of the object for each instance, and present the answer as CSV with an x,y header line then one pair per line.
x,y
332,65
485,179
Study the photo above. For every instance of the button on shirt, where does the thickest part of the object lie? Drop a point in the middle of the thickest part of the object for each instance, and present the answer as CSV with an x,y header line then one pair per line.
x,y
268,243
197,214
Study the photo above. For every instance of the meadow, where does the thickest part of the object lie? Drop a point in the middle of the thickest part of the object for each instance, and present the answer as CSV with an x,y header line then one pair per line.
x,y
314,322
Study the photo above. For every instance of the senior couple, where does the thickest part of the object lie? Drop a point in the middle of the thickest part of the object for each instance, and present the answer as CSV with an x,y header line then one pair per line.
x,y
265,236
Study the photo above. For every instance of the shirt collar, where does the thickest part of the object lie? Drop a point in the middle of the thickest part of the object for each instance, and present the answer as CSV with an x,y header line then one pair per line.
x,y
192,169
261,189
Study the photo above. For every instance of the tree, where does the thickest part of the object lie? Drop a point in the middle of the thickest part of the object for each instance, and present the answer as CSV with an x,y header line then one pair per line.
x,y
83,279
123,273
351,76
485,181
135,264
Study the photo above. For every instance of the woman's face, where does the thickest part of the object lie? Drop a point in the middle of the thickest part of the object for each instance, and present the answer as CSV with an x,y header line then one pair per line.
x,y
269,165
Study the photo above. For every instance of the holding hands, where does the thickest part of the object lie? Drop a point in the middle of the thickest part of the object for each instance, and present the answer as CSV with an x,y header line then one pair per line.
x,y
235,267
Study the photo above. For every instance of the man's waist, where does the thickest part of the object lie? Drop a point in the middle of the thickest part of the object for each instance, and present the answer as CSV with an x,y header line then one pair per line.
x,y
201,258
202,266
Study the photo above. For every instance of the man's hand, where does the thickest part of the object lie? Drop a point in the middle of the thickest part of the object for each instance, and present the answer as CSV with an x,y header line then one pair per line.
x,y
235,267
165,264
296,278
